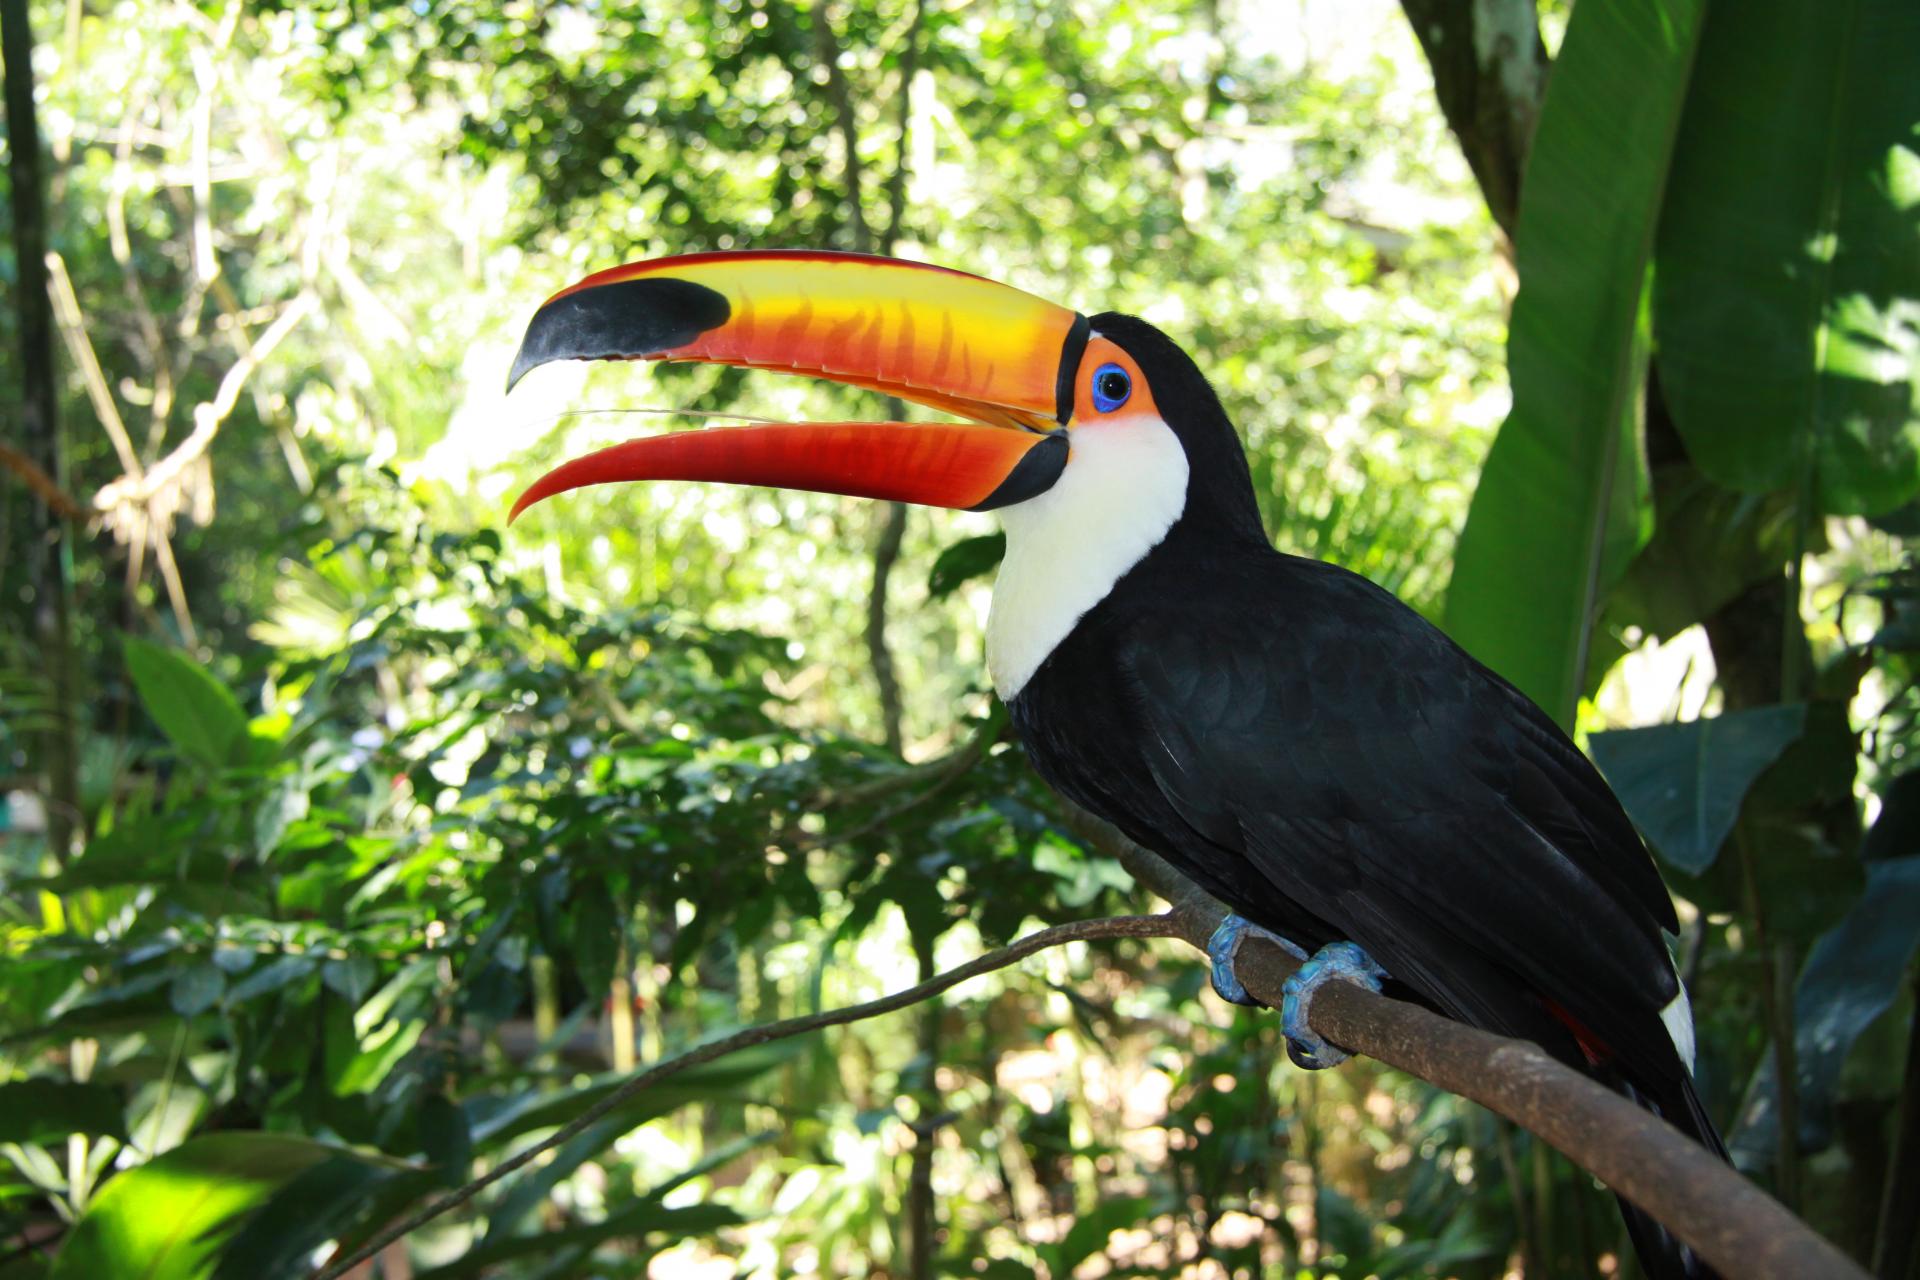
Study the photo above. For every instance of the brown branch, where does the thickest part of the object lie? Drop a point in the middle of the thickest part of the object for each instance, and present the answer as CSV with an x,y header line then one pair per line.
x,y
1160,926
48,563
1729,1221
936,771
57,499
137,526
897,183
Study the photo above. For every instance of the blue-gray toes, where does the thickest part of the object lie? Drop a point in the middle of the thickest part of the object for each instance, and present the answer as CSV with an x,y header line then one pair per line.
x,y
1224,946
1335,962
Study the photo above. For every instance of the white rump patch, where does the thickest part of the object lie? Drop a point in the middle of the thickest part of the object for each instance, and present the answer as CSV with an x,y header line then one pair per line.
x,y
1124,485
1678,1015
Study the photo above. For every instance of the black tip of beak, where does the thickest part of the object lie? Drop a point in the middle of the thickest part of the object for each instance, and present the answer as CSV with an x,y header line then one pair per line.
x,y
623,320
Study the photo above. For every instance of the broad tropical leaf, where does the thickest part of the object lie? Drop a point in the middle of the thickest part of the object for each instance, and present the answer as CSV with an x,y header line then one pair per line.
x,y
170,1218
1787,293
43,1110
1852,976
1562,503
1682,784
195,711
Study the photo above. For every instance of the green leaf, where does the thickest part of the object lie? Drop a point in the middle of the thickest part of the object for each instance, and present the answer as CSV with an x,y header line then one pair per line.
x,y
1787,294
47,1110
1561,505
1682,784
1851,977
351,976
196,989
596,938
193,709
271,977
169,1218
1709,544
339,1198
964,561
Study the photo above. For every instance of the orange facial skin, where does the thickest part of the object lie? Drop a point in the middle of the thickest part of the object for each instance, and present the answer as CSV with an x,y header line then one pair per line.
x,y
1101,352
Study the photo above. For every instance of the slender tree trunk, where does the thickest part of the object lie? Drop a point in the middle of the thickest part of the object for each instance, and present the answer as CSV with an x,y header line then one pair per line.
x,y
1490,74
49,548
886,553
922,1224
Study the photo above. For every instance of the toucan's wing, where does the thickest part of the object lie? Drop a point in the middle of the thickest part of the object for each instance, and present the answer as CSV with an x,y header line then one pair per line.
x,y
1381,779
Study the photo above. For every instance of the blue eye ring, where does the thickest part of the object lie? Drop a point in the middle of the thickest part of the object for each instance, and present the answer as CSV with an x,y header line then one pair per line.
x,y
1111,387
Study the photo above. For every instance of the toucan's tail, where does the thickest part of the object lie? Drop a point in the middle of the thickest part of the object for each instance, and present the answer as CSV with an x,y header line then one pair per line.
x,y
1662,1256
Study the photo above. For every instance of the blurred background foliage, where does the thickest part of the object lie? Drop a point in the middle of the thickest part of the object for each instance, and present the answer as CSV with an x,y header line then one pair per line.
x,y
390,836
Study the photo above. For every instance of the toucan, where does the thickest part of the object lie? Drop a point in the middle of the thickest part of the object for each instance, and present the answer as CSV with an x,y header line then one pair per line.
x,y
1311,751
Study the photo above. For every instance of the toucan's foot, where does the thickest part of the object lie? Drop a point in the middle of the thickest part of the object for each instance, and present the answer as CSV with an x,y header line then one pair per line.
x,y
1224,946
1335,962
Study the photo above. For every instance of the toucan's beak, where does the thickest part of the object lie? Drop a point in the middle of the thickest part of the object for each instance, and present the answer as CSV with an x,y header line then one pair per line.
x,y
1002,359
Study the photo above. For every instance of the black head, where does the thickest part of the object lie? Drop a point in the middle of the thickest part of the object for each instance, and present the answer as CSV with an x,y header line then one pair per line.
x,y
1219,483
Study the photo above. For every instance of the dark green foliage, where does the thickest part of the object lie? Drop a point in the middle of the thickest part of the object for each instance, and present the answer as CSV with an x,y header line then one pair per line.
x,y
1790,254
1683,784
396,819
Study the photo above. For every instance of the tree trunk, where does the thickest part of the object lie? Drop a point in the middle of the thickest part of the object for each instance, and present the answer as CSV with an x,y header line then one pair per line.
x,y
48,551
1490,75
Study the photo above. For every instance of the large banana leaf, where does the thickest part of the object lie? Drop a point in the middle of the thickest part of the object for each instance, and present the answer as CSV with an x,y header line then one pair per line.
x,y
1562,502
1787,289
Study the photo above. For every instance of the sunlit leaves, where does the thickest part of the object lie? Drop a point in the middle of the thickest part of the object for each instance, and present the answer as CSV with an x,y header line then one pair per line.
x,y
170,1218
1788,289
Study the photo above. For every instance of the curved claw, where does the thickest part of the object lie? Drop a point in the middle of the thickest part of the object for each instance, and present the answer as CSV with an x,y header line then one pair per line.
x,y
1337,961
1224,947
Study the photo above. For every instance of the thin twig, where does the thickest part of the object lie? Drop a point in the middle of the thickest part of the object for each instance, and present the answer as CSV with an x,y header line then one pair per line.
x,y
140,525
1156,926
208,417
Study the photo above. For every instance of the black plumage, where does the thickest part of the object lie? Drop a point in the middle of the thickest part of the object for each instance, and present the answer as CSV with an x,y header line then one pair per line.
x,y
1332,766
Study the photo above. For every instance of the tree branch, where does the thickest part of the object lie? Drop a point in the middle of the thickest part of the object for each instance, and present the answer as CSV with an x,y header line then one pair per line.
x,y
35,478
840,96
1730,1222
1158,926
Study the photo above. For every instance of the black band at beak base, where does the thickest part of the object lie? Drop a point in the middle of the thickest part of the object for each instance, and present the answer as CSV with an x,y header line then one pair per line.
x,y
1035,473
1070,352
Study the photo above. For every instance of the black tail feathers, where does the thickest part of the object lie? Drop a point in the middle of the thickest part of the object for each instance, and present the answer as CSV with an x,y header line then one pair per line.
x,y
1662,1256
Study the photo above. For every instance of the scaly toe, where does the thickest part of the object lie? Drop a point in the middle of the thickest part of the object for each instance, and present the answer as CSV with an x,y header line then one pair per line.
x,y
1337,961
1224,947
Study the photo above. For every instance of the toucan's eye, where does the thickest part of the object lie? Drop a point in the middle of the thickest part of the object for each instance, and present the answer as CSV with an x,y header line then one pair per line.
x,y
1111,387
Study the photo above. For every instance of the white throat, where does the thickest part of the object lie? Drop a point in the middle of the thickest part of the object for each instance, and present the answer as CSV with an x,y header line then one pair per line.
x,y
1124,485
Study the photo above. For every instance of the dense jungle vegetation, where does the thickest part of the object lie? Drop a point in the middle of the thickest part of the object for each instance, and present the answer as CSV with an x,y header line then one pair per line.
x,y
355,841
